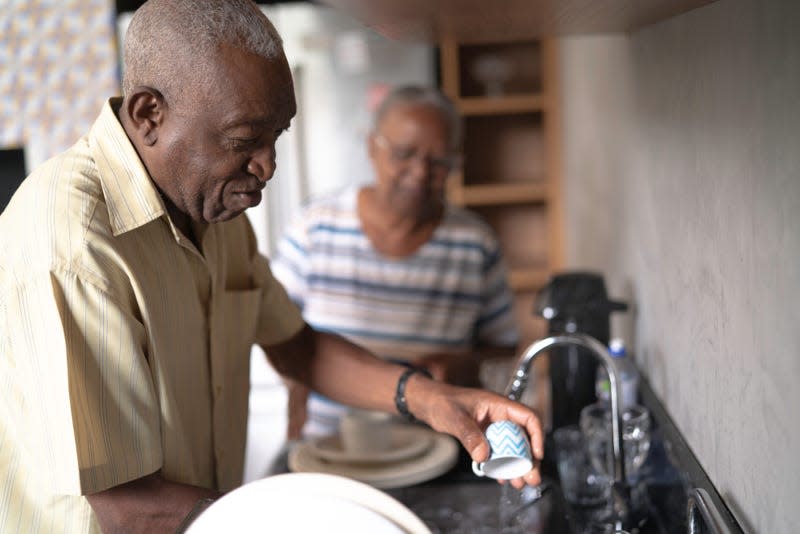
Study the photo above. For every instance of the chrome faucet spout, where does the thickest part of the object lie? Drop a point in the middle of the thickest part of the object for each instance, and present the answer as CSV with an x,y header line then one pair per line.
x,y
518,382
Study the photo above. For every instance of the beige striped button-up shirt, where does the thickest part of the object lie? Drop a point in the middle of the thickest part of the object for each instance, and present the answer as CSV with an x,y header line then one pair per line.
x,y
123,348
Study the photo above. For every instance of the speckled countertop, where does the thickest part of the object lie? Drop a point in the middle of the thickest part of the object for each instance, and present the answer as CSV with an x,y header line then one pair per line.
x,y
460,502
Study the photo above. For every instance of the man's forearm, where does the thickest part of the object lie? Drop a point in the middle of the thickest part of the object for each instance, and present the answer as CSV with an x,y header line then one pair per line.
x,y
490,352
338,369
147,505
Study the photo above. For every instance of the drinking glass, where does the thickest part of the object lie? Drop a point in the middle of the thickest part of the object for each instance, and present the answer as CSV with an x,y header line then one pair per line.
x,y
595,424
581,482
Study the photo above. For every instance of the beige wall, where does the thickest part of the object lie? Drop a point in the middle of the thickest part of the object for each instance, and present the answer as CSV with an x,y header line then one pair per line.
x,y
682,180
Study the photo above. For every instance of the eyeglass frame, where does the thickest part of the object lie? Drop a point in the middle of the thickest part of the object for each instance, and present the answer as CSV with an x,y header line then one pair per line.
x,y
405,156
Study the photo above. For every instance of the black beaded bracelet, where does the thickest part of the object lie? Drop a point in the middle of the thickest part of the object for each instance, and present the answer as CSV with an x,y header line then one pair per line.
x,y
400,394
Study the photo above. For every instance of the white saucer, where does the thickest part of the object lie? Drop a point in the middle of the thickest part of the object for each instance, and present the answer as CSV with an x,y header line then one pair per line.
x,y
282,503
406,441
437,460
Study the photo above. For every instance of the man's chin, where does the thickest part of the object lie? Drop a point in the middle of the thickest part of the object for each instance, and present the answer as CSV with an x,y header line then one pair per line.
x,y
235,205
224,216
416,205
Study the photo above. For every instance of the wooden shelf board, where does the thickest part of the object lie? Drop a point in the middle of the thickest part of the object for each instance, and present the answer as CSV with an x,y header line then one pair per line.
x,y
499,194
501,105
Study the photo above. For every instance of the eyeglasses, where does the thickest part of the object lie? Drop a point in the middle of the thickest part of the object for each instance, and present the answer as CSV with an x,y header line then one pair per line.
x,y
406,155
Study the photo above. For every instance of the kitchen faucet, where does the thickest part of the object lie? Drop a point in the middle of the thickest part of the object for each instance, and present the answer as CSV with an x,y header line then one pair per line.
x,y
516,387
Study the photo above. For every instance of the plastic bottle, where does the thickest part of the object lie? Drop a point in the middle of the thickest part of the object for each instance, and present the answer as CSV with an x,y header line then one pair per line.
x,y
628,375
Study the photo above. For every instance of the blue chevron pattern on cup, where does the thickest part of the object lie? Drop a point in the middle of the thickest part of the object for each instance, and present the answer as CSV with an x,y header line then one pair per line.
x,y
510,455
507,439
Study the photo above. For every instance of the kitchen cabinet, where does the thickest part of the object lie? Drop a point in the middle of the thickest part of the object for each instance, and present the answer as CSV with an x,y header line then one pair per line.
x,y
506,95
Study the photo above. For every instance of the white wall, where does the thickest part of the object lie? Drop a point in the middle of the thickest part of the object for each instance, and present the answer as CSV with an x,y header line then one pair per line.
x,y
682,181
336,61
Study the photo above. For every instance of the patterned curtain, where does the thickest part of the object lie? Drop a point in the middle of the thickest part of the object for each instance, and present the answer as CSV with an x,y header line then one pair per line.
x,y
58,64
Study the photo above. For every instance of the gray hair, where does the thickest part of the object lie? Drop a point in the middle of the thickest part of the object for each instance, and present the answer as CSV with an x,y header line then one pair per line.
x,y
170,40
413,95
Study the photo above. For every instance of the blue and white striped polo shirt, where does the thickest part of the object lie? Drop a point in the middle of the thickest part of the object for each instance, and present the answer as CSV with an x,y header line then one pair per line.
x,y
448,296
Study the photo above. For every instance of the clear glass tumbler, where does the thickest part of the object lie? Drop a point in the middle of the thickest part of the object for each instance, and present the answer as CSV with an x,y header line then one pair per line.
x,y
595,424
581,481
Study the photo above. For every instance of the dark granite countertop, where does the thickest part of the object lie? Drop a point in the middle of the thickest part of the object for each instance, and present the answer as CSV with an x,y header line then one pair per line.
x,y
460,502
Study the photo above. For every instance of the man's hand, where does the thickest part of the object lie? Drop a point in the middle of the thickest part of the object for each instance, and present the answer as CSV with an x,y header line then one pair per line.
x,y
349,374
465,414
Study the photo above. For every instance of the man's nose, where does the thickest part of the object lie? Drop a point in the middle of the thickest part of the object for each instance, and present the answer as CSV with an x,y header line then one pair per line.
x,y
419,165
262,163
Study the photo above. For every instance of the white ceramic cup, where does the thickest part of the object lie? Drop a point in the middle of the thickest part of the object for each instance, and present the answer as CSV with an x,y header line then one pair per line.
x,y
510,455
365,432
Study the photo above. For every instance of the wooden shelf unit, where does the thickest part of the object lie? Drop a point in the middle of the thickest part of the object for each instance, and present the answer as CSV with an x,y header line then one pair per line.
x,y
511,156
500,105
491,195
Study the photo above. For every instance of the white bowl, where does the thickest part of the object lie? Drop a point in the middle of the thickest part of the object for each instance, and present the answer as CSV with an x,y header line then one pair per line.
x,y
307,503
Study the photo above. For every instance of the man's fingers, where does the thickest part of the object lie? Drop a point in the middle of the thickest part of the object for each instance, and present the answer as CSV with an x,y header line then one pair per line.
x,y
467,431
534,430
476,444
533,478
518,483
533,427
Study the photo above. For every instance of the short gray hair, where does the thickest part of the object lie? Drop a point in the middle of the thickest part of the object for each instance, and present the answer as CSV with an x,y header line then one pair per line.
x,y
412,95
169,40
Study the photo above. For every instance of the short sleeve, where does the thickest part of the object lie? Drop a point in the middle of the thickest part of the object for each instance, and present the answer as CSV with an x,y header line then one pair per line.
x,y
279,318
291,262
85,405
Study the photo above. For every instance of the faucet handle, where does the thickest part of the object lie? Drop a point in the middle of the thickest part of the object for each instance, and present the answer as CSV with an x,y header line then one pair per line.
x,y
701,504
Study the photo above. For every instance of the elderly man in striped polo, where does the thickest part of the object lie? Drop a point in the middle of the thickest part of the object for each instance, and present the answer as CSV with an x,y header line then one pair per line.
x,y
392,266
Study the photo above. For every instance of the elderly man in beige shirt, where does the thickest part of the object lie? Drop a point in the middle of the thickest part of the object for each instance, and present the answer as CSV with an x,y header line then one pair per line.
x,y
131,292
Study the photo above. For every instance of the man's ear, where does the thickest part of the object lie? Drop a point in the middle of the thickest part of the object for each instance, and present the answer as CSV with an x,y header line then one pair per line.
x,y
146,110
371,145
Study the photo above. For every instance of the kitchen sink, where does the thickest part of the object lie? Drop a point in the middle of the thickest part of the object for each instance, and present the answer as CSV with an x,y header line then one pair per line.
x,y
478,507
460,502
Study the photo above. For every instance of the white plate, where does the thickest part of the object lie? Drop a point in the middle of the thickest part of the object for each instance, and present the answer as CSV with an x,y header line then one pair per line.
x,y
437,460
406,441
307,503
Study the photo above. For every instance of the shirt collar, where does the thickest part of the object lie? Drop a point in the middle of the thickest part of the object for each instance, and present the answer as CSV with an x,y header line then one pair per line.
x,y
130,194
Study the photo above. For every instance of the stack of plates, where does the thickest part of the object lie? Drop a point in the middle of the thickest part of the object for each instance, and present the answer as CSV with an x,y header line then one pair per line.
x,y
416,454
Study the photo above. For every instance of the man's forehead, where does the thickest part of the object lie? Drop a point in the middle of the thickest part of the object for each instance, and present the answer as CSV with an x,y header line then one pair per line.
x,y
276,115
255,92
414,116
